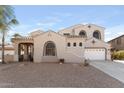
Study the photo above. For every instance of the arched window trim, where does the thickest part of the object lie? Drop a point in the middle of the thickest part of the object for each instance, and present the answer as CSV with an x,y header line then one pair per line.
x,y
74,44
47,49
99,34
84,33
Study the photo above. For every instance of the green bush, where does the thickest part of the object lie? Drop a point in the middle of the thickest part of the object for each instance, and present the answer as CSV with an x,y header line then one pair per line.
x,y
122,55
118,55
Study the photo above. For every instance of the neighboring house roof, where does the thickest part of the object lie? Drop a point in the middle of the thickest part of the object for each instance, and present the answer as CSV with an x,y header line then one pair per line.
x,y
116,38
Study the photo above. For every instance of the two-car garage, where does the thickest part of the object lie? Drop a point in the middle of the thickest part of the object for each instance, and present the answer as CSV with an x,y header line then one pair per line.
x,y
95,53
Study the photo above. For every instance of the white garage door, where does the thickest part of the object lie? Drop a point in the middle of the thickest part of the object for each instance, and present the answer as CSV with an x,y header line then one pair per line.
x,y
94,54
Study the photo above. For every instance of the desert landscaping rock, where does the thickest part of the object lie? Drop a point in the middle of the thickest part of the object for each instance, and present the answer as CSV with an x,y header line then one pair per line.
x,y
54,75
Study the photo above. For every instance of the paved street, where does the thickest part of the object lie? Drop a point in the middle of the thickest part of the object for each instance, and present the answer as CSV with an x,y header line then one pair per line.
x,y
54,75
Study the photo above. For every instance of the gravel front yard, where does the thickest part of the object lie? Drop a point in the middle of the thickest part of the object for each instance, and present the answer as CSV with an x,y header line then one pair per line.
x,y
54,75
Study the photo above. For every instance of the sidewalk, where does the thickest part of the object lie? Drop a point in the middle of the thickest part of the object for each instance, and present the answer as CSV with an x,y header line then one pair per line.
x,y
114,69
120,61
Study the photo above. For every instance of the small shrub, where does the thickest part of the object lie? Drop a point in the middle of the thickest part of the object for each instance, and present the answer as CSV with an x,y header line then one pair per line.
x,y
118,55
121,55
86,63
61,61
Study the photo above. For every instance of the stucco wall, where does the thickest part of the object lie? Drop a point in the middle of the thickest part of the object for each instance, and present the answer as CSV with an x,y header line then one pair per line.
x,y
75,50
9,58
89,31
70,54
40,41
7,52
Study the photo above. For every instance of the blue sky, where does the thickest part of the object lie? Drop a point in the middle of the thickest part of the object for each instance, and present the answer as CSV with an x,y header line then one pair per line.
x,y
59,17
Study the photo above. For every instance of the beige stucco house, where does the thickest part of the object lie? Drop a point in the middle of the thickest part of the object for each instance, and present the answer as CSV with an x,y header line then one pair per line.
x,y
73,44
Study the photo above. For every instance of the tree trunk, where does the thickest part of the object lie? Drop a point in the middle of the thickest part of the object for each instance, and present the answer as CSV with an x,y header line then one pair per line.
x,y
3,39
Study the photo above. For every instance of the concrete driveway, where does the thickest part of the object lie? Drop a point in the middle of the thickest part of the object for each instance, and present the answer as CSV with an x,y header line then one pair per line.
x,y
32,75
114,69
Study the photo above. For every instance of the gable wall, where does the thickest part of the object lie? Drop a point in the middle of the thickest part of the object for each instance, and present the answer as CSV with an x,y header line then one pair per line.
x,y
39,42
99,44
89,31
77,50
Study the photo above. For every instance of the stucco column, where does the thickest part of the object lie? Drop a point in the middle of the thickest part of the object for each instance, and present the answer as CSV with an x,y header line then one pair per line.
x,y
31,50
108,54
25,52
83,50
16,59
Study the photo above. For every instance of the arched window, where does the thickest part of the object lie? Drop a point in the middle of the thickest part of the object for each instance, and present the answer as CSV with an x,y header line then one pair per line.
x,y
97,34
82,33
50,49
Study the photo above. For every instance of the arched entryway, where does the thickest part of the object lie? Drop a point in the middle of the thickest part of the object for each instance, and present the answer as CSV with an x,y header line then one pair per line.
x,y
25,51
49,52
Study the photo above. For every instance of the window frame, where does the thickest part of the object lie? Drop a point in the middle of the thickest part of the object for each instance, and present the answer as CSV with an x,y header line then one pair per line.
x,y
80,44
98,36
84,33
66,34
68,44
74,44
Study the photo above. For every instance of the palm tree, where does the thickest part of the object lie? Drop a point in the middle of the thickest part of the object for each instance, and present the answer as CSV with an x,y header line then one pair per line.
x,y
7,20
16,35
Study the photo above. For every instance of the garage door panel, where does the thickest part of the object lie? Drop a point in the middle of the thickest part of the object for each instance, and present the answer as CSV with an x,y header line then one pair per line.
x,y
95,54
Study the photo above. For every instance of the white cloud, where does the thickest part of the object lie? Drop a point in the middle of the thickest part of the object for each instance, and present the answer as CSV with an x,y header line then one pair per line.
x,y
100,18
39,24
58,14
51,19
107,33
61,28
11,32
22,29
114,32
46,24
49,22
